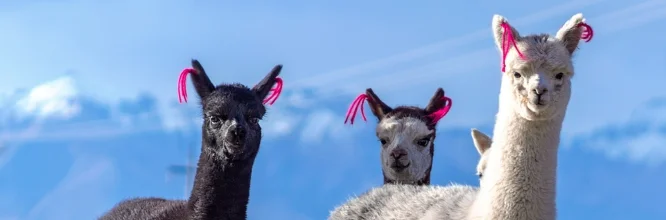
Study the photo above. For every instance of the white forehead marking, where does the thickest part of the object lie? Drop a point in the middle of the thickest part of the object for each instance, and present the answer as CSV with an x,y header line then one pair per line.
x,y
409,126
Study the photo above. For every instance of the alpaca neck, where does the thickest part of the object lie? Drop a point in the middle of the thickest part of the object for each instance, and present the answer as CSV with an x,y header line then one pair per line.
x,y
524,160
221,187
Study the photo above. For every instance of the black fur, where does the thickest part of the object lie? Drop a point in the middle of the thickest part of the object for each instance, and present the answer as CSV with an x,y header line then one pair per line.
x,y
231,137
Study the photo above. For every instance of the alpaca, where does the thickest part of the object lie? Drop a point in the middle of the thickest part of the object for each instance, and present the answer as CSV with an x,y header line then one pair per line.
x,y
406,134
231,136
519,181
482,144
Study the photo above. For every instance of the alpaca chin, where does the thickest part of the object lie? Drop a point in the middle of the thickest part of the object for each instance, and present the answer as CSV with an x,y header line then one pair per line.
x,y
405,175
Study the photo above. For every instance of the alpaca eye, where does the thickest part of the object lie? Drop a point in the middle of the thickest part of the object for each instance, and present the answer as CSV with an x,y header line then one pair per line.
x,y
216,120
559,76
480,175
253,120
516,74
423,142
383,141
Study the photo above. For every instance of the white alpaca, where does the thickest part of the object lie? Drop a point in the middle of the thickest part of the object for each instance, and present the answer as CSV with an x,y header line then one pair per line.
x,y
482,144
519,182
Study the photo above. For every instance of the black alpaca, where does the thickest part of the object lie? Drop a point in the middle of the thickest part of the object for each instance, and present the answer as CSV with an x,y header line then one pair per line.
x,y
230,143
406,135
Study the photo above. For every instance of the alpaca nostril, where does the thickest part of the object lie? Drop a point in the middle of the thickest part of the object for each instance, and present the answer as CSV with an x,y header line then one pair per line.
x,y
238,134
539,91
398,153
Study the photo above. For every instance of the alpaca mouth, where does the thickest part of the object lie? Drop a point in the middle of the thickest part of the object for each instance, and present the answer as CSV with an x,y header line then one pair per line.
x,y
537,105
234,144
397,166
537,102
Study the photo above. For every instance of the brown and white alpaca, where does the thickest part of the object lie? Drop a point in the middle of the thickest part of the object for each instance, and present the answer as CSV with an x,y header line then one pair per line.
x,y
231,136
406,134
519,181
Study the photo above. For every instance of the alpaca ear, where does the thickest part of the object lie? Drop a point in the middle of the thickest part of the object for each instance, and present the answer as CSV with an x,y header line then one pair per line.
x,y
570,33
265,85
481,141
377,106
498,30
201,82
436,102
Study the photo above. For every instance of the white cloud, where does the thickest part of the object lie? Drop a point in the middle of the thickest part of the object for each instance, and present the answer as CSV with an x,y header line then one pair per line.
x,y
179,116
51,99
648,148
297,99
641,139
61,100
317,125
94,129
279,121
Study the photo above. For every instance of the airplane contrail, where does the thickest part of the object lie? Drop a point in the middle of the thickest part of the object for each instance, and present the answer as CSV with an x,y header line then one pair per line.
x,y
319,80
606,23
7,150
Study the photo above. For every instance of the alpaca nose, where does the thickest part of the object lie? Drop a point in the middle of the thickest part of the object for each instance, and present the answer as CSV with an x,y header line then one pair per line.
x,y
238,134
398,153
539,91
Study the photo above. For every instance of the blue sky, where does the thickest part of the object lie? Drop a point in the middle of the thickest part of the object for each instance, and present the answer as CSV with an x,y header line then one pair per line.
x,y
89,112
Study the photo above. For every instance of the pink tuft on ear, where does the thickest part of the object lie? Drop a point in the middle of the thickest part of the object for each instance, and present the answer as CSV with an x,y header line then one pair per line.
x,y
351,113
182,84
439,114
587,32
508,40
275,92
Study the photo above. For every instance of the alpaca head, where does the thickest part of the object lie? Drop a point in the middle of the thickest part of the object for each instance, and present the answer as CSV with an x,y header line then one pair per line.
x,y
482,144
407,135
537,69
231,112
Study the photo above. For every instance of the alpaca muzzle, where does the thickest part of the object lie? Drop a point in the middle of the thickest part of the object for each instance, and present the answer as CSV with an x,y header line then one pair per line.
x,y
236,135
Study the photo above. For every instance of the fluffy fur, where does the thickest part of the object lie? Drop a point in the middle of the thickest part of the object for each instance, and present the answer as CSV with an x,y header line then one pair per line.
x,y
230,143
519,180
407,136
458,196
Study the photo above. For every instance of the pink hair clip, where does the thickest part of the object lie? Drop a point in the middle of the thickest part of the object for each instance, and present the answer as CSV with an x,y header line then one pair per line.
x,y
353,108
182,86
508,40
587,32
275,92
439,114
